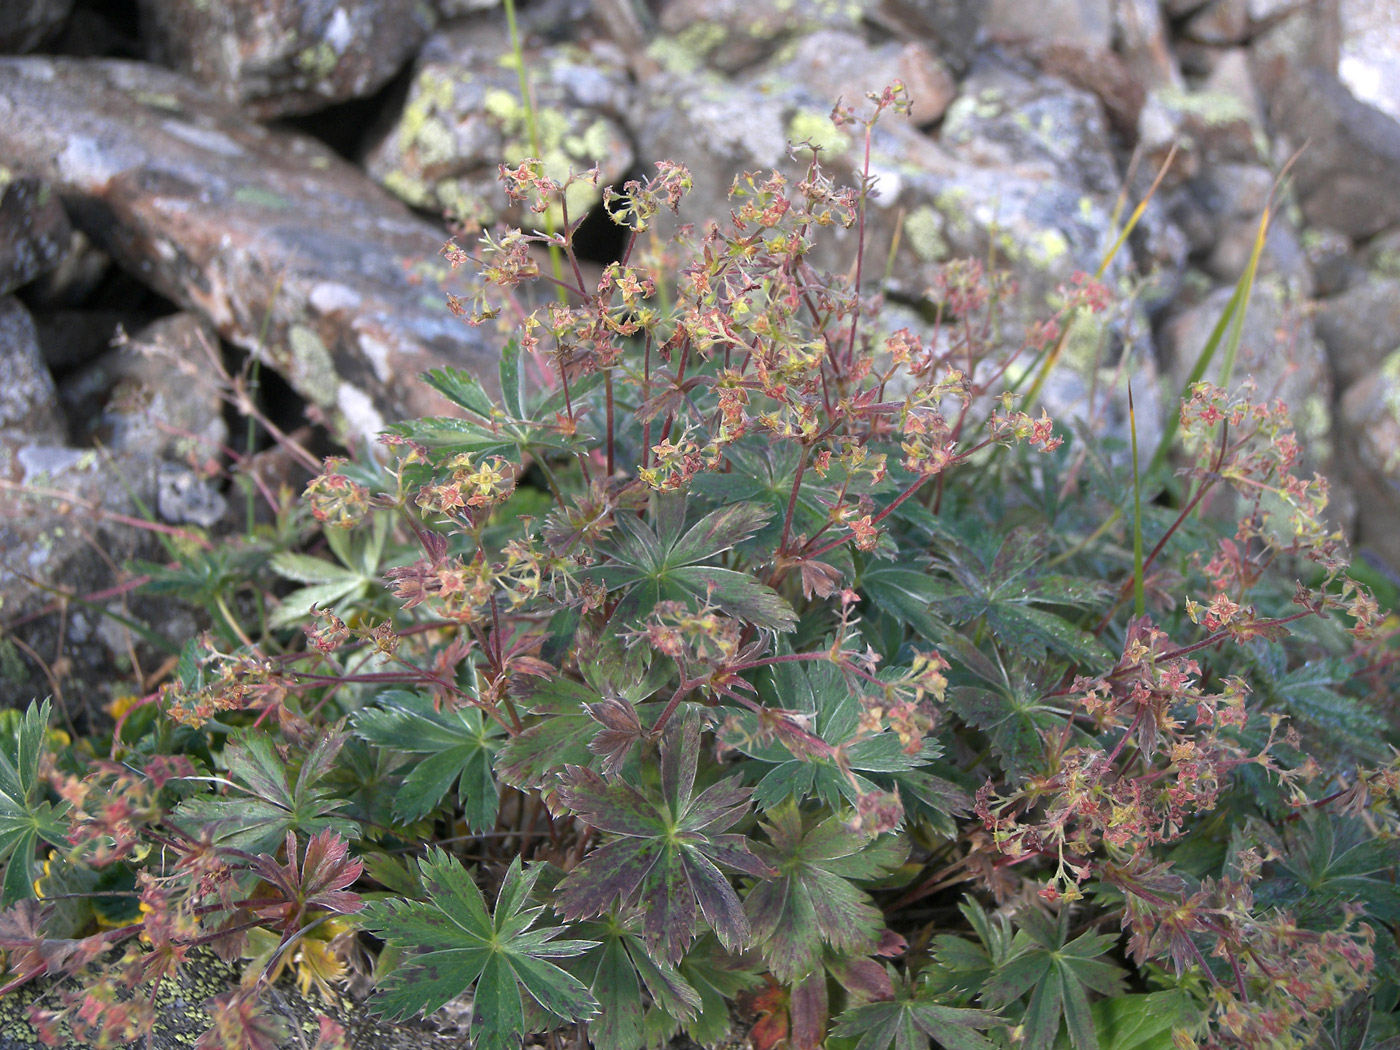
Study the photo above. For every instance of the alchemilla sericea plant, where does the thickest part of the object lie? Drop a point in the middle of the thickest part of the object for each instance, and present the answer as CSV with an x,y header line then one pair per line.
x,y
747,670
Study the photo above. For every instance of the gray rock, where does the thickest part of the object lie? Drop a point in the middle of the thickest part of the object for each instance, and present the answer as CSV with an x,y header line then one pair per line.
x,y
1140,37
251,228
1207,127
34,231
950,26
76,274
1084,23
1382,255
1291,39
153,397
1347,177
732,35
839,64
1360,328
1278,349
1335,268
286,56
1368,429
1231,198
1219,23
463,118
1010,118
1370,53
28,398
25,24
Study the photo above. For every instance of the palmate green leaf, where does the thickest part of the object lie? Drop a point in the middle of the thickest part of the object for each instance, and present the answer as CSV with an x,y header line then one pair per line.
x,y
559,737
493,431
460,944
911,1019
810,903
1058,975
657,562
460,746
818,693
1330,721
1004,592
1138,1022
1326,862
718,978
668,852
618,972
269,799
24,819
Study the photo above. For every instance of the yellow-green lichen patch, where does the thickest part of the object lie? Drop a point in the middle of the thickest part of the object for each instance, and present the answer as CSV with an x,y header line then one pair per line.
x,y
672,56
1045,247
434,143
923,228
502,105
261,197
157,100
1314,421
1211,107
1386,263
952,203
311,370
816,128
318,61
593,145
431,92
408,189
1083,343
701,38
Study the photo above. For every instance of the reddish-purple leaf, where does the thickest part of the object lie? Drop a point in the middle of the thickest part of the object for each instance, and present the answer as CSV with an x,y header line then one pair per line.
x,y
808,1009
718,902
622,730
668,859
679,756
608,805
611,872
865,979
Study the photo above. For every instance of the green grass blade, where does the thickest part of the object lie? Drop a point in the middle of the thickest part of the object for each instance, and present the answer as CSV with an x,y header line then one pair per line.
x,y
1139,597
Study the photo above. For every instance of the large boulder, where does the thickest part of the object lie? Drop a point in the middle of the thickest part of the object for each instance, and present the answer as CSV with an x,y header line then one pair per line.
x,y
464,118
1346,177
34,231
289,251
277,57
